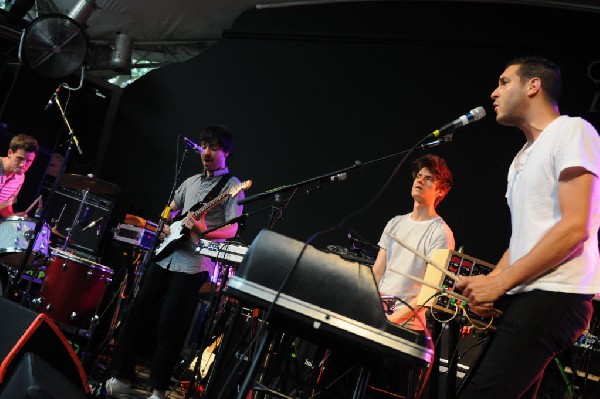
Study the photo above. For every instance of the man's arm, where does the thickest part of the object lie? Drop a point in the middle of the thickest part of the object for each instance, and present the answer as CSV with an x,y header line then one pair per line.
x,y
380,265
404,313
173,211
502,263
7,211
575,189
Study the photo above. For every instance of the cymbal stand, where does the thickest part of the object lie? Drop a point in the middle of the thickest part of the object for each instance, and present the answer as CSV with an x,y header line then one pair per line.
x,y
75,219
13,280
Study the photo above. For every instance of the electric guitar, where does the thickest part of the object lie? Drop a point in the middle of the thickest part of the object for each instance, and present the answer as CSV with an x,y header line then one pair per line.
x,y
178,230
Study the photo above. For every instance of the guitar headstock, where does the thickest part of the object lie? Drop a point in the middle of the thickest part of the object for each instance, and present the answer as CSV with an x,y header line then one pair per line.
x,y
235,190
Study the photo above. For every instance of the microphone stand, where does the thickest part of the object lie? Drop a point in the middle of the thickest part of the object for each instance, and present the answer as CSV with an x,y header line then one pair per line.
x,y
340,174
13,281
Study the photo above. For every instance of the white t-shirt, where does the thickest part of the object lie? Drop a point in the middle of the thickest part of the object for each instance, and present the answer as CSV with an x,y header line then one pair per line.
x,y
422,236
532,195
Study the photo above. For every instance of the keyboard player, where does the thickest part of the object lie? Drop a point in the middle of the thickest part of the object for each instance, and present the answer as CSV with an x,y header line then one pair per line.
x,y
422,229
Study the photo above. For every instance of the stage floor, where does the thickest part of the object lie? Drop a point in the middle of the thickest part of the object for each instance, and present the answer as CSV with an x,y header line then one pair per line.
x,y
141,389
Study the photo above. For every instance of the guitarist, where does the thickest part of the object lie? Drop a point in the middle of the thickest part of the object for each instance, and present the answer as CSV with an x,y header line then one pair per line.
x,y
178,274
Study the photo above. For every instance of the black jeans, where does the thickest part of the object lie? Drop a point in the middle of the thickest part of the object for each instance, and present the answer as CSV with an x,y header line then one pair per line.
x,y
180,292
535,327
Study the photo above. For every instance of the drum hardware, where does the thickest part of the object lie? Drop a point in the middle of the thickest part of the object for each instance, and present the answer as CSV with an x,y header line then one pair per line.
x,y
18,232
90,183
57,233
75,219
73,289
35,302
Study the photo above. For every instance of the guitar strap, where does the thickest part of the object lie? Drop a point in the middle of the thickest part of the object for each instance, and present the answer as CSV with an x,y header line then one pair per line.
x,y
214,192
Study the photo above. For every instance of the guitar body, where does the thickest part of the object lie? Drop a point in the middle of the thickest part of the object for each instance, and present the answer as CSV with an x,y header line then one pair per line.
x,y
178,233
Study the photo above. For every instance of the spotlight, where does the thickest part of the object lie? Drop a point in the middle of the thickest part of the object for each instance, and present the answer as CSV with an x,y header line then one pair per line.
x,y
120,57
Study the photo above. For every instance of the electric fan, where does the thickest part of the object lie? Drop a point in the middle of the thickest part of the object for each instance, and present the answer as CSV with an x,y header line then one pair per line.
x,y
53,45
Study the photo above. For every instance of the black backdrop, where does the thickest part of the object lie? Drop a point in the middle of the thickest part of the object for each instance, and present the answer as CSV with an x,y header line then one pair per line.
x,y
309,90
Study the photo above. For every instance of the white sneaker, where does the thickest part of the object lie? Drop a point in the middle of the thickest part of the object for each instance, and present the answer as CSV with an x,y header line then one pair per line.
x,y
115,387
154,396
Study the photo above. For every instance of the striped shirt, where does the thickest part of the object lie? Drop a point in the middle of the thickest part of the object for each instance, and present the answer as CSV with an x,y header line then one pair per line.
x,y
9,186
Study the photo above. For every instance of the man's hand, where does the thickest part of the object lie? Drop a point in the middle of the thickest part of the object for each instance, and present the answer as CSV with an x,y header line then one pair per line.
x,y
166,230
196,225
482,292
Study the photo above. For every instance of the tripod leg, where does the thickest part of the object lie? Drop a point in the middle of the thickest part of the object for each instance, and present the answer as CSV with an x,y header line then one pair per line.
x,y
223,357
260,348
361,384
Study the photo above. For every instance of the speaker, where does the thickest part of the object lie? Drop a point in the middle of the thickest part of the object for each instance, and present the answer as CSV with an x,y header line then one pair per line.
x,y
62,212
24,331
35,378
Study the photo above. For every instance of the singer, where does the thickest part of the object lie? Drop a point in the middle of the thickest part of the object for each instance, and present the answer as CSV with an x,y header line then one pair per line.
x,y
545,281
22,151
180,274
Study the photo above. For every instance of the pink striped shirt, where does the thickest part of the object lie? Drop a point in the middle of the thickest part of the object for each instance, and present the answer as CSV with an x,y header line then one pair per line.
x,y
9,187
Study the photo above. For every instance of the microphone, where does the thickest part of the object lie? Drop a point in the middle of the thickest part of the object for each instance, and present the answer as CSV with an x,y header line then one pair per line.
x,y
473,115
355,238
192,145
51,100
92,224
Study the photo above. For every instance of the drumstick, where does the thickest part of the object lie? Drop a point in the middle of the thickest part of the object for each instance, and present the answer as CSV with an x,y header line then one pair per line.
x,y
34,203
425,258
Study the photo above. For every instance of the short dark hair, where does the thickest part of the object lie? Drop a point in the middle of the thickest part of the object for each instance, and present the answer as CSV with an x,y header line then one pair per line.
x,y
24,142
533,66
438,166
218,134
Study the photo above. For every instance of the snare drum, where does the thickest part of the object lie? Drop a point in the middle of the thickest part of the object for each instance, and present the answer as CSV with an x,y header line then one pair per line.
x,y
15,234
73,289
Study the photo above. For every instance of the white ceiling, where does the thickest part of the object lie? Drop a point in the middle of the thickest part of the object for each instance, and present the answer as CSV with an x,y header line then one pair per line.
x,y
199,20
166,31
162,31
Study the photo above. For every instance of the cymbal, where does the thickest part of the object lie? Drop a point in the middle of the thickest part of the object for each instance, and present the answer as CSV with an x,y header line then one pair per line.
x,y
91,183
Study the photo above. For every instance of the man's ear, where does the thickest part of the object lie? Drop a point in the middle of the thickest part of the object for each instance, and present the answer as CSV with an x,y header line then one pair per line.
x,y
442,192
534,86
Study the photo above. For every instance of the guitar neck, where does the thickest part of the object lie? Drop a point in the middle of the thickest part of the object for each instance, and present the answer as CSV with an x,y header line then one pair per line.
x,y
209,205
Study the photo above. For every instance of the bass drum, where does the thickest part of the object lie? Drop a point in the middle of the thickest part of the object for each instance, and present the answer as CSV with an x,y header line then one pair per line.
x,y
15,234
73,289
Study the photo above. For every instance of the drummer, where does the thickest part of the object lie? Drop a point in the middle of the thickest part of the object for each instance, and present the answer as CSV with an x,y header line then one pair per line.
x,y
22,151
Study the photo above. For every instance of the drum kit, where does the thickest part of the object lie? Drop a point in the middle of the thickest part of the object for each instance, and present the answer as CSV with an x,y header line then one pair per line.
x,y
72,287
